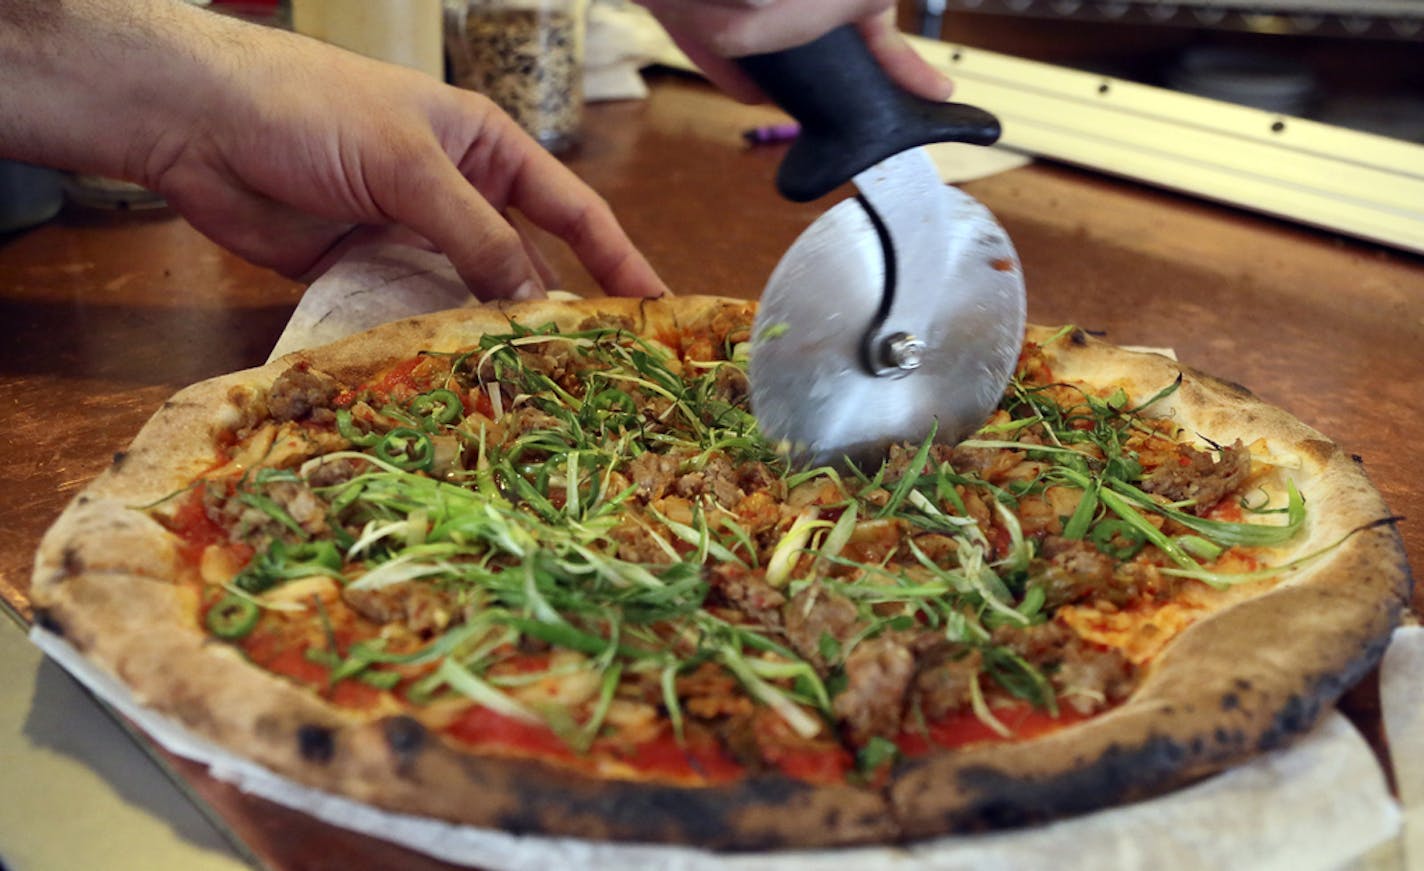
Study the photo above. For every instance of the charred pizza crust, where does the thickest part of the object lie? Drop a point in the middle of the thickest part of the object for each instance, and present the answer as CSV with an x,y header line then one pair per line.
x,y
1245,680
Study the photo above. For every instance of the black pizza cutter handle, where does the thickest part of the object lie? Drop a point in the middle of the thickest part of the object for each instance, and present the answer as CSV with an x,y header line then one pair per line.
x,y
852,115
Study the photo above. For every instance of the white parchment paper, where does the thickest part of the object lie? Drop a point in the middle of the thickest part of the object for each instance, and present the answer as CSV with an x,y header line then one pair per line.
x,y
370,287
1322,804
1402,703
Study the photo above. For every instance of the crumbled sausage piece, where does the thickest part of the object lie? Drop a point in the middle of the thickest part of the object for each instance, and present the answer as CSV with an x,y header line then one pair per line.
x,y
1198,477
709,691
420,607
260,528
1088,676
1038,643
300,393
897,462
636,544
303,505
732,385
717,479
329,472
755,476
1093,679
653,473
748,593
991,464
878,673
1076,571
943,684
815,612
527,419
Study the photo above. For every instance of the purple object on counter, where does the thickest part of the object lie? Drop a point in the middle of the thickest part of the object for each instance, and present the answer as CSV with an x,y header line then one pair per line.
x,y
772,133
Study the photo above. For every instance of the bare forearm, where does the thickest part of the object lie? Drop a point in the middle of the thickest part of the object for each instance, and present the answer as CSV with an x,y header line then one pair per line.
x,y
96,85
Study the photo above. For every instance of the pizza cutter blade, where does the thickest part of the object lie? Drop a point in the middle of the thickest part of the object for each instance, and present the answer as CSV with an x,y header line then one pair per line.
x,y
896,314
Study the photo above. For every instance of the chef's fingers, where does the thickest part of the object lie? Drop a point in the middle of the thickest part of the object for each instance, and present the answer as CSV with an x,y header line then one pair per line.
x,y
711,31
431,196
554,199
900,60
740,3
547,273
723,73
737,31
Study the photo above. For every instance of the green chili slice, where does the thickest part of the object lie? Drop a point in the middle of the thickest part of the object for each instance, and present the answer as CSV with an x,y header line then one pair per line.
x,y
438,406
347,427
407,448
233,617
1118,538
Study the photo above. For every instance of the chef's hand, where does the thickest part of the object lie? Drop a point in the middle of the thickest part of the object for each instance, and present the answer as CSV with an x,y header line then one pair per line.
x,y
712,32
313,142
288,151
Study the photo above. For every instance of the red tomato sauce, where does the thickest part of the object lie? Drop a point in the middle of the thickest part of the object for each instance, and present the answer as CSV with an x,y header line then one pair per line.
x,y
196,531
400,378
673,341
963,728
1240,560
1001,541
1228,510
482,727
285,654
815,764
478,400
521,663
699,758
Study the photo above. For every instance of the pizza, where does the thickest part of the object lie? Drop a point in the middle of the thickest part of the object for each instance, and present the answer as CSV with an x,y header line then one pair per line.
x,y
532,567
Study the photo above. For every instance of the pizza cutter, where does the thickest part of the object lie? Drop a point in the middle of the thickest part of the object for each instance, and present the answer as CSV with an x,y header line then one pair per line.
x,y
898,313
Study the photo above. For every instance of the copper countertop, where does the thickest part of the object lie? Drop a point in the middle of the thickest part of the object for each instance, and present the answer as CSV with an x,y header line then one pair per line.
x,y
105,315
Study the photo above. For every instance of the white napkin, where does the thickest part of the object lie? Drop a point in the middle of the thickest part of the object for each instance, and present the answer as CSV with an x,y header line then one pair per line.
x,y
368,287
1402,704
623,38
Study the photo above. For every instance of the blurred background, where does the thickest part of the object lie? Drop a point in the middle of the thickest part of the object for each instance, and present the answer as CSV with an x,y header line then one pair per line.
x,y
1357,64
1353,63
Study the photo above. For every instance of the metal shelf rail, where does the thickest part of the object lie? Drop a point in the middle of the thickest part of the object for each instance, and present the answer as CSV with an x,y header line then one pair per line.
x,y
1355,183
1363,19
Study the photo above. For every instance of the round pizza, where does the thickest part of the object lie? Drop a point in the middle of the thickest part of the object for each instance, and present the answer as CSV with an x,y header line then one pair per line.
x,y
532,567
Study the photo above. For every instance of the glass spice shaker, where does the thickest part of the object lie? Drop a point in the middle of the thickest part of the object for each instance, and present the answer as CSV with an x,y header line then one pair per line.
x,y
526,56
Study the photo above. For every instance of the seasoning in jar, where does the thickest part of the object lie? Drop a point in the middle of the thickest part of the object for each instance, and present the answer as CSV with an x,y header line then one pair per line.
x,y
526,56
